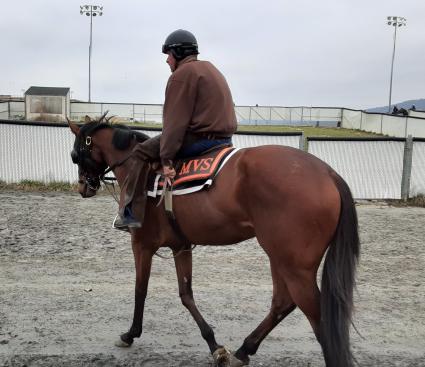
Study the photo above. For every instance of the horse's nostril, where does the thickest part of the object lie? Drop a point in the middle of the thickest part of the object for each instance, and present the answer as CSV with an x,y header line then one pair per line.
x,y
74,157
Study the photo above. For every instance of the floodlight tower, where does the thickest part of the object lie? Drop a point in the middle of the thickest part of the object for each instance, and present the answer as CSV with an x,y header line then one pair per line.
x,y
395,22
91,11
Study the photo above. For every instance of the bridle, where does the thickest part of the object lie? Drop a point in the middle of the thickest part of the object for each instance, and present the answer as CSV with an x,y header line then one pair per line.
x,y
90,170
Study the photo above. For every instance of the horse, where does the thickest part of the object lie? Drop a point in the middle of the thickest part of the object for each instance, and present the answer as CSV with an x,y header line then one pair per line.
x,y
296,206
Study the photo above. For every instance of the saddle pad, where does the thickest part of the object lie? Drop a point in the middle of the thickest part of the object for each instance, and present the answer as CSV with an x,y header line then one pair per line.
x,y
193,174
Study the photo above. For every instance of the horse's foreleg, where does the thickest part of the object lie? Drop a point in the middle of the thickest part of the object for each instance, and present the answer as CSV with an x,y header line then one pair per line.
x,y
282,305
143,263
183,262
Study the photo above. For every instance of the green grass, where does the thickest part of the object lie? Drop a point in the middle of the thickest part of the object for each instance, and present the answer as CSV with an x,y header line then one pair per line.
x,y
309,131
140,124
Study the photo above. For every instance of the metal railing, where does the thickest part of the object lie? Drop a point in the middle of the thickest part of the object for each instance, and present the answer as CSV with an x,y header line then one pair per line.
x,y
385,124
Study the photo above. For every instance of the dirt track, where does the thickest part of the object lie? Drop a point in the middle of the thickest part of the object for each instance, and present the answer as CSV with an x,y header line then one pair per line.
x,y
67,292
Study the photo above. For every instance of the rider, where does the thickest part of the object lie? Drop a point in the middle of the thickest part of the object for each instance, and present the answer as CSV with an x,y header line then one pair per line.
x,y
198,115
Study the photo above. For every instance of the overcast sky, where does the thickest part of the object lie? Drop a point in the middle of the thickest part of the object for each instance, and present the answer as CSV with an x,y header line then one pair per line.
x,y
283,52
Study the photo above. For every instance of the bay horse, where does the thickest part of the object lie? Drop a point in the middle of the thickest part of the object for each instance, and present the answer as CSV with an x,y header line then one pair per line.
x,y
292,202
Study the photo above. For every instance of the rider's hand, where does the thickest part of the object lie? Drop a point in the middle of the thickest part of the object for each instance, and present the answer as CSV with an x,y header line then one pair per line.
x,y
168,172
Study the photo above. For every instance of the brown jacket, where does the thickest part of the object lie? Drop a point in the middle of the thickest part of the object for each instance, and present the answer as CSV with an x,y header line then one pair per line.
x,y
197,100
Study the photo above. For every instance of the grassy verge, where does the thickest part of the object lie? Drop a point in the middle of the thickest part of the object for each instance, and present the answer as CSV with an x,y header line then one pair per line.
x,y
28,185
309,131
37,186
418,201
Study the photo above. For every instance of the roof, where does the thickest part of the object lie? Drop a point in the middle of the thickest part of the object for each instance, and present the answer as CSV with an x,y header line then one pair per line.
x,y
47,91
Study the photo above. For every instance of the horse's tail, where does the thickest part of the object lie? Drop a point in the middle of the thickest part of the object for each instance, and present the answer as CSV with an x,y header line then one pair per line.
x,y
338,282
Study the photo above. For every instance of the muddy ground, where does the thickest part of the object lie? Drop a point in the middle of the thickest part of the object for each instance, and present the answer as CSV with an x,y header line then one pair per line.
x,y
67,278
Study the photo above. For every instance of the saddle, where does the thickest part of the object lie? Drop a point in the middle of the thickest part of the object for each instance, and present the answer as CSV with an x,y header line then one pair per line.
x,y
194,173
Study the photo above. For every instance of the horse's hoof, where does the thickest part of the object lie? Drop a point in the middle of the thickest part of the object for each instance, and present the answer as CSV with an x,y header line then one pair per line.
x,y
235,362
221,357
122,343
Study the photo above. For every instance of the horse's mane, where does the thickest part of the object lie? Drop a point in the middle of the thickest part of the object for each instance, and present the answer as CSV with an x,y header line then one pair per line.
x,y
122,137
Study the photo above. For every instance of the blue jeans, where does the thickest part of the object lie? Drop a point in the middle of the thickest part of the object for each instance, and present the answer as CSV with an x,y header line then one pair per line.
x,y
201,146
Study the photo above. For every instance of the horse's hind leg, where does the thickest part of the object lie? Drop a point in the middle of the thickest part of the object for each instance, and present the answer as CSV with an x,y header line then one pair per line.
x,y
183,262
306,294
282,305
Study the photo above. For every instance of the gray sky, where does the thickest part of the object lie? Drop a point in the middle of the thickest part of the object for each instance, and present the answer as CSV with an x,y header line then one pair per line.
x,y
283,52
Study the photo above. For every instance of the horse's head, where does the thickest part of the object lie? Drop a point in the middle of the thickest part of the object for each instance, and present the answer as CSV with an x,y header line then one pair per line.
x,y
87,155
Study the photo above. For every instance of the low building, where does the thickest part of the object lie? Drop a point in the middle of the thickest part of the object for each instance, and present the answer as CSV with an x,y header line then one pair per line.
x,y
47,104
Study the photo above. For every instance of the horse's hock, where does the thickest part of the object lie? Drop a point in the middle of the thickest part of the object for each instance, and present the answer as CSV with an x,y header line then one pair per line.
x,y
68,282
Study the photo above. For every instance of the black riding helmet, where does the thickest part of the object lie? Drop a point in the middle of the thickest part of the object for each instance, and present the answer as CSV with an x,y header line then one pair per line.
x,y
181,43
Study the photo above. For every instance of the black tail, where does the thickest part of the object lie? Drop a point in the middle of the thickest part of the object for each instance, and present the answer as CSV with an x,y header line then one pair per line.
x,y
338,282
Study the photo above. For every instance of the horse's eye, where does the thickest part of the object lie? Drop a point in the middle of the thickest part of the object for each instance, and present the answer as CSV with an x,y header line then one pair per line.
x,y
74,157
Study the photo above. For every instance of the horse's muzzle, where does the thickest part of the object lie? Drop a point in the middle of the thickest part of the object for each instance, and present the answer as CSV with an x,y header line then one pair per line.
x,y
85,190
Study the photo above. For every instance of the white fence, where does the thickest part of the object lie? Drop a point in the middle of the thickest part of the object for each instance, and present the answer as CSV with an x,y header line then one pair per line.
x,y
391,125
373,168
246,115
417,179
42,153
129,112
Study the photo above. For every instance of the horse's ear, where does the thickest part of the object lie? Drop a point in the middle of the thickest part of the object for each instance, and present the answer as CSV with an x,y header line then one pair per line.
x,y
74,127
87,119
110,119
103,116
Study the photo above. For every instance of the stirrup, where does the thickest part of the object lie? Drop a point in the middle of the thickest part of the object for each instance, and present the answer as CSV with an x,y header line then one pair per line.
x,y
124,223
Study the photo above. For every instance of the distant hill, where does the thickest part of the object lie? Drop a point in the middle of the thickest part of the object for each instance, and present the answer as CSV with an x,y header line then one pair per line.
x,y
419,104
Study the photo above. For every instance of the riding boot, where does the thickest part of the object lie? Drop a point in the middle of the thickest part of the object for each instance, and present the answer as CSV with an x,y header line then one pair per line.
x,y
140,196
134,187
134,191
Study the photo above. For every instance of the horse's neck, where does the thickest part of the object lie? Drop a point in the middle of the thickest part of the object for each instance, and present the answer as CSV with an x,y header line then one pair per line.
x,y
111,155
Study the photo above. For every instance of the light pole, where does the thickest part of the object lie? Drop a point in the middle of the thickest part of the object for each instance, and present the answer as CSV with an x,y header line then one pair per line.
x,y
91,11
395,22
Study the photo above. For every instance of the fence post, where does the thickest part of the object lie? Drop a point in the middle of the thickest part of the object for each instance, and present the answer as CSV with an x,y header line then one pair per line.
x,y
405,126
382,117
302,144
407,168
8,110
